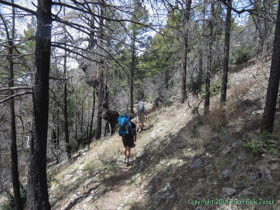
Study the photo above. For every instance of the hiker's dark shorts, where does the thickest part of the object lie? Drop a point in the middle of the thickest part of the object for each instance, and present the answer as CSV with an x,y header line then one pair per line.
x,y
127,141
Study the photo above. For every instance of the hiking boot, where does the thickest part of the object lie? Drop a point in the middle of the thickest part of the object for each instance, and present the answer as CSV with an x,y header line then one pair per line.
x,y
125,160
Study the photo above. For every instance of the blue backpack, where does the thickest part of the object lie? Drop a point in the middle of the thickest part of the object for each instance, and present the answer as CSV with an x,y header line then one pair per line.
x,y
124,125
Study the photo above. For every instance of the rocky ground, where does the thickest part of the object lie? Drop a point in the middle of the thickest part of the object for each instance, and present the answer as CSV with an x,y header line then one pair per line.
x,y
183,160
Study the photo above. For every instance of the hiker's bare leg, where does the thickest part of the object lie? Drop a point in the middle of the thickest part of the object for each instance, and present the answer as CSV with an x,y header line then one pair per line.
x,y
127,152
124,151
127,155
141,126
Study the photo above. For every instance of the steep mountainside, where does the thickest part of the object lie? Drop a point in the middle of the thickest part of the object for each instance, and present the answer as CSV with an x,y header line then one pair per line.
x,y
183,160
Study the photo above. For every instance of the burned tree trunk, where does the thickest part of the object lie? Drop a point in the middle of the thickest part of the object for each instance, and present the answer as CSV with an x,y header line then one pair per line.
x,y
209,64
226,55
37,190
273,85
92,114
132,69
101,76
66,130
100,92
13,134
185,51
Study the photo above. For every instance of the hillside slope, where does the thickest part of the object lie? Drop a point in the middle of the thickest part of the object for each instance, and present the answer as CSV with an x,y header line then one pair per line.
x,y
183,160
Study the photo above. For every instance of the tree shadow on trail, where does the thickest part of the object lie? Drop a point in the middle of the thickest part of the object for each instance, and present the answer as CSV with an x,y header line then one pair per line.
x,y
182,171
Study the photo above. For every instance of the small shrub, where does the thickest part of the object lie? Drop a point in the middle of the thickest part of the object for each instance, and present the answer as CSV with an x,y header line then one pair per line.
x,y
149,98
215,88
23,194
241,55
194,86
89,167
50,176
261,143
253,146
216,119
239,92
216,66
10,203
64,189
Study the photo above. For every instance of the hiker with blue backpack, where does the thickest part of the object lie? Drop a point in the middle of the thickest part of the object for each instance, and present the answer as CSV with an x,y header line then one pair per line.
x,y
127,130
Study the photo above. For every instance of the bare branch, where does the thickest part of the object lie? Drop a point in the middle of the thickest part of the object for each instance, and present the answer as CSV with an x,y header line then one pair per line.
x,y
69,50
15,88
251,11
13,96
18,7
56,78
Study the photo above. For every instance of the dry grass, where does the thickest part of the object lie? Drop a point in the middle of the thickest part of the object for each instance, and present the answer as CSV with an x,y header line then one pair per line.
x,y
216,119
219,117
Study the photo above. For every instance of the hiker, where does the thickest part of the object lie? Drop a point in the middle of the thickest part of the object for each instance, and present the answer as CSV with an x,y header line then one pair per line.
x,y
112,118
141,115
127,130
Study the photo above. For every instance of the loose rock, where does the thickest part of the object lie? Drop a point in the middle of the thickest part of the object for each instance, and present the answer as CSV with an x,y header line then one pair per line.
x,y
227,191
196,163
227,174
236,144
226,150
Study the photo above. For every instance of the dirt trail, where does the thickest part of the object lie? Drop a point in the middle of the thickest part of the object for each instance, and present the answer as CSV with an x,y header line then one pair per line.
x,y
119,192
122,189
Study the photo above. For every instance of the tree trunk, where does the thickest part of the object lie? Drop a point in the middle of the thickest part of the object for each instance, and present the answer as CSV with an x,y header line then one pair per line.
x,y
66,130
265,29
13,134
37,190
82,119
76,121
132,70
201,63
268,5
185,52
209,65
166,78
92,26
57,126
226,55
98,129
101,76
92,114
200,72
57,135
107,128
87,127
273,85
